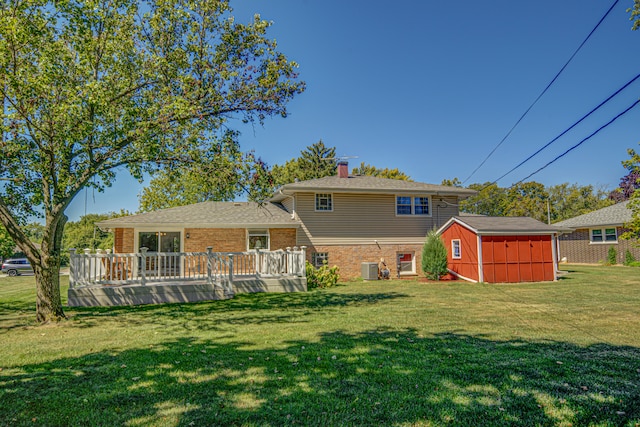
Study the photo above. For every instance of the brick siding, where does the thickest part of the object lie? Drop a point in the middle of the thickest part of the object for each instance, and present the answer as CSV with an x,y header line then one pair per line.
x,y
123,240
577,248
349,258
220,239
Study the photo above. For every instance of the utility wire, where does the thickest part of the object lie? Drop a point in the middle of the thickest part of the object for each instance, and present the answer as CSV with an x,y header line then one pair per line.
x,y
542,93
579,143
567,130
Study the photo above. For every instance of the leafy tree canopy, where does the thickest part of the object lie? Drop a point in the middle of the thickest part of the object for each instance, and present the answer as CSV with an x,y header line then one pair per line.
x,y
628,183
368,170
7,245
633,166
85,234
316,161
88,87
220,175
530,199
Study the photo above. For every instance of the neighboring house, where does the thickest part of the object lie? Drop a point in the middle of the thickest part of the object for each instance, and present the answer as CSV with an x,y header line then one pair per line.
x,y
596,232
501,249
342,220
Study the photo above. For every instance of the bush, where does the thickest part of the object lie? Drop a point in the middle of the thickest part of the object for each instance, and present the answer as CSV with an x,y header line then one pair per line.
x,y
434,257
322,277
612,256
629,258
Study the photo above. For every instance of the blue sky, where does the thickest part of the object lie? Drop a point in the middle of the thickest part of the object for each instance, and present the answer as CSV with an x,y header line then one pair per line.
x,y
431,87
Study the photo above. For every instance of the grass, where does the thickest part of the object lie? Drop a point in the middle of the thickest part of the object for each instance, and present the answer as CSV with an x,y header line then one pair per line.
x,y
403,353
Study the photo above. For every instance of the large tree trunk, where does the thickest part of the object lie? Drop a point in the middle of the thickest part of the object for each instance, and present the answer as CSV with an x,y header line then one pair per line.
x,y
48,301
47,272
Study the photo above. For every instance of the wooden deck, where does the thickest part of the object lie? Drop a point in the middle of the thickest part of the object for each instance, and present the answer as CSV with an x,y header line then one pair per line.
x,y
94,281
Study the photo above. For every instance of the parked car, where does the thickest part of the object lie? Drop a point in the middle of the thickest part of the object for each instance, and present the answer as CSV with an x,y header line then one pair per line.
x,y
16,266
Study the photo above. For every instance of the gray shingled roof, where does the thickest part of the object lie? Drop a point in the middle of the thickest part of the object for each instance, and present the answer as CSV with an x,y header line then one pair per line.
x,y
370,184
508,225
617,214
209,214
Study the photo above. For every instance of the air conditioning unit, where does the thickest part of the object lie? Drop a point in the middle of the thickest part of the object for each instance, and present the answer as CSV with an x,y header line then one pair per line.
x,y
369,270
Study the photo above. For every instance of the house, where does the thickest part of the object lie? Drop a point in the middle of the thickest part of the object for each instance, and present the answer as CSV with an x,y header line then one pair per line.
x,y
342,220
595,232
501,249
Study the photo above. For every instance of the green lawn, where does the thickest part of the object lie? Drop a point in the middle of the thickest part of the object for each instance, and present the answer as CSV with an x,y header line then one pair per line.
x,y
403,353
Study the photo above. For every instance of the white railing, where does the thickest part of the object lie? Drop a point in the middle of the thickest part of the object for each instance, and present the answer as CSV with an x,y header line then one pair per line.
x,y
106,268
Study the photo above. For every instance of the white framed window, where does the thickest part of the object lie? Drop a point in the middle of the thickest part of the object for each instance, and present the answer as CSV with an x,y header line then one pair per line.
x,y
603,235
407,262
413,205
320,258
324,202
456,249
258,239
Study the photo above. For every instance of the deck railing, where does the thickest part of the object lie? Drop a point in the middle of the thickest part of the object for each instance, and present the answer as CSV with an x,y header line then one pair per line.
x,y
106,268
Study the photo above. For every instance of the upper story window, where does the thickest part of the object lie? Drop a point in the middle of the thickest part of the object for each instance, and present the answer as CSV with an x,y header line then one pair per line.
x,y
412,205
604,235
324,202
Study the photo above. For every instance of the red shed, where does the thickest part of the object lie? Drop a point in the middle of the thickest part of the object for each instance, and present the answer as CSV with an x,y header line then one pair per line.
x,y
501,249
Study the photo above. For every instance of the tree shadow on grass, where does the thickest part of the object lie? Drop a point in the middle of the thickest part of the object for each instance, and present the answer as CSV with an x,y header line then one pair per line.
x,y
378,377
255,308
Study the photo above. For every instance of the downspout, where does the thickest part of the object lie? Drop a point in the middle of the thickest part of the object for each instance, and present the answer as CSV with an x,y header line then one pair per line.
x,y
480,267
293,199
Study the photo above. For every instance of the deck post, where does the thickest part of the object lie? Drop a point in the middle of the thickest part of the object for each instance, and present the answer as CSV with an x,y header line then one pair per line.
x,y
257,263
73,268
143,267
303,264
209,265
230,267
290,258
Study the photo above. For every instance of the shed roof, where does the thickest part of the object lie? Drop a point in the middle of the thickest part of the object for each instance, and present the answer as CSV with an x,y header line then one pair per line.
x,y
512,225
209,215
617,214
370,184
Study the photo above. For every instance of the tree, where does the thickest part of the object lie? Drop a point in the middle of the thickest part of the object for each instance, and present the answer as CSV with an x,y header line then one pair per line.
x,y
222,175
316,161
89,87
84,233
489,201
628,183
534,200
633,165
570,200
527,199
368,170
7,245
434,256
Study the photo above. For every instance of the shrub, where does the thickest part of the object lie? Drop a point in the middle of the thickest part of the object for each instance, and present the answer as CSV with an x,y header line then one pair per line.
x,y
612,256
629,259
434,256
322,277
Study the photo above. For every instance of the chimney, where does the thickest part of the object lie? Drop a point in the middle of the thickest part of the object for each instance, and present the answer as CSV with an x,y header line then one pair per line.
x,y
343,169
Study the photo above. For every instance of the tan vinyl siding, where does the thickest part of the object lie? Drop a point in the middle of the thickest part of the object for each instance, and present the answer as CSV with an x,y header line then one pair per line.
x,y
288,204
363,218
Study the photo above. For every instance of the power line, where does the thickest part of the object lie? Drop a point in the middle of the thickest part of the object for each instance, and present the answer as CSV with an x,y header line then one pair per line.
x,y
543,92
581,142
569,128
